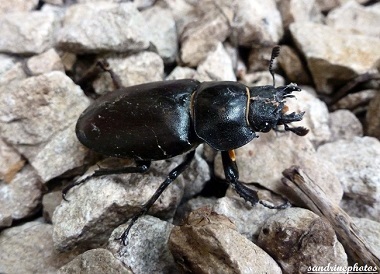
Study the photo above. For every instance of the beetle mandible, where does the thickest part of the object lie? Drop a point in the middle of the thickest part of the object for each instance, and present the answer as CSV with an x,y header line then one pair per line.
x,y
160,120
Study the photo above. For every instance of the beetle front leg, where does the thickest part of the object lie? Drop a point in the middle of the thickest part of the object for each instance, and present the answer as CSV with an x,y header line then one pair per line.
x,y
141,167
169,179
232,176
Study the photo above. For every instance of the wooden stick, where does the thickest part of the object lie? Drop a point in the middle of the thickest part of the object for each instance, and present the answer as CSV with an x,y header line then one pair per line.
x,y
317,201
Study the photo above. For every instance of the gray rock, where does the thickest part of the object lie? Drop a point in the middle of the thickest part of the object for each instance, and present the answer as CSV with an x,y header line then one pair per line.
x,y
55,2
10,162
96,1
53,95
12,75
183,12
217,66
7,61
182,73
100,204
196,176
202,36
147,250
61,153
209,243
353,18
95,261
356,100
27,32
327,5
238,64
49,203
299,11
59,101
133,69
68,60
97,27
257,22
29,249
44,62
191,205
357,164
17,6
344,125
162,32
20,197
370,231
372,117
247,218
144,4
294,68
5,219
297,238
352,54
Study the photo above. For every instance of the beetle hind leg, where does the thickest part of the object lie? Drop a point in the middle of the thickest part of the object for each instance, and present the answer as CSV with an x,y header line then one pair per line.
x,y
232,176
141,167
169,179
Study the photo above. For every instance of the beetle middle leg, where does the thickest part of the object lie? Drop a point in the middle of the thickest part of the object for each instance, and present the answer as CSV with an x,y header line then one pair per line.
x,y
93,73
169,179
232,176
141,167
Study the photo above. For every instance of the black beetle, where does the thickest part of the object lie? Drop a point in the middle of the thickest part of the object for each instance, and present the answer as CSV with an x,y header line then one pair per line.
x,y
159,120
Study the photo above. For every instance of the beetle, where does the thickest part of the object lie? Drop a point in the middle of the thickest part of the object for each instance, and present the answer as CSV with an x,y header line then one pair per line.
x,y
160,120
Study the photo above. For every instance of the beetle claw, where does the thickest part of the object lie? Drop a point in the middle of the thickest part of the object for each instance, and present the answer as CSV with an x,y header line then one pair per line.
x,y
300,131
64,196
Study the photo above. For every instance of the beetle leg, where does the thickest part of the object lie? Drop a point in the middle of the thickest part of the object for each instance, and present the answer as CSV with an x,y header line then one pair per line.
x,y
141,167
104,65
232,176
169,179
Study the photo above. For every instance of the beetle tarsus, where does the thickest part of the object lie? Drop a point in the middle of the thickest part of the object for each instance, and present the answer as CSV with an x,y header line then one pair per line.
x,y
124,237
232,176
300,131
70,186
249,195
141,167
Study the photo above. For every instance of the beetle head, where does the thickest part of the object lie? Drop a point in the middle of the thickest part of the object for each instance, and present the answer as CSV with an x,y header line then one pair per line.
x,y
267,109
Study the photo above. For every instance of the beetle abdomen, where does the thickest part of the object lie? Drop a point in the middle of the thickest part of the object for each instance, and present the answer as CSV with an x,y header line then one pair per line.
x,y
220,115
147,122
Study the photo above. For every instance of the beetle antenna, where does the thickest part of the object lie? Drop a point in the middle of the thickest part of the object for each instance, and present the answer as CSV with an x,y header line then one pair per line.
x,y
275,54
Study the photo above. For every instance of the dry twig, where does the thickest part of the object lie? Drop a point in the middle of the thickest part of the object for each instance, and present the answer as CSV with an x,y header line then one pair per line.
x,y
317,201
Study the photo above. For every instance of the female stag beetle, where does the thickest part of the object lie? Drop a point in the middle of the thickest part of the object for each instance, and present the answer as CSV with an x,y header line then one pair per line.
x,y
159,120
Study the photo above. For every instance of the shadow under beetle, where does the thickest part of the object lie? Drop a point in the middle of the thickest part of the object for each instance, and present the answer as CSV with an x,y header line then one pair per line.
x,y
160,120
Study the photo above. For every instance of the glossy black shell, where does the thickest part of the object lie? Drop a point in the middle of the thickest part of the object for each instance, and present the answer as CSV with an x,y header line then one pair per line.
x,y
220,114
160,120
146,122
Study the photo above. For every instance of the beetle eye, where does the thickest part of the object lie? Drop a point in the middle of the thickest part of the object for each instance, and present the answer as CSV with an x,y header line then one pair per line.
x,y
266,127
